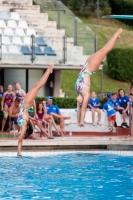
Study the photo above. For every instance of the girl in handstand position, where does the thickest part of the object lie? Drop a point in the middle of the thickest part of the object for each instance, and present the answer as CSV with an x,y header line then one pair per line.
x,y
82,85
23,118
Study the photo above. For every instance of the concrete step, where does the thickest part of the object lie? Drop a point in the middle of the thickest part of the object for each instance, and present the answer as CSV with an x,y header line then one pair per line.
x,y
35,17
18,2
20,8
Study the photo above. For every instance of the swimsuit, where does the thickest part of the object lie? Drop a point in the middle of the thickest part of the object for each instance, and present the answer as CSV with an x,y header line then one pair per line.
x,y
80,81
20,115
40,116
9,98
18,94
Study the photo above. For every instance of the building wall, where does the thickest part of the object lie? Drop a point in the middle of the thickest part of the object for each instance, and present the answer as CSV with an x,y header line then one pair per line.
x,y
11,76
56,89
34,77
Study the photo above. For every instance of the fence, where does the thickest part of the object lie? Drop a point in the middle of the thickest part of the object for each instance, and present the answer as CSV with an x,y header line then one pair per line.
x,y
74,27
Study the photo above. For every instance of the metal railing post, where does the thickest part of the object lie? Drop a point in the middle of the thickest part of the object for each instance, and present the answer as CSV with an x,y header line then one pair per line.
x,y
58,20
0,46
75,31
42,5
102,78
95,43
64,49
32,48
98,12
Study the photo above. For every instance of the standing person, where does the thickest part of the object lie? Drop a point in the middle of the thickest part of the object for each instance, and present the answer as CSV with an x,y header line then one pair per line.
x,y
124,102
24,120
13,113
19,91
1,90
7,101
108,107
92,64
94,104
55,112
131,98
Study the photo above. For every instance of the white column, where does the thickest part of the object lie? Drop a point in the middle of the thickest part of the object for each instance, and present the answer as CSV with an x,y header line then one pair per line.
x,y
56,89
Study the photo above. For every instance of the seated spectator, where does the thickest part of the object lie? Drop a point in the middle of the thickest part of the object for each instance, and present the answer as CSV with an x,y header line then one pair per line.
x,y
42,115
7,101
55,112
13,113
131,99
124,102
1,90
108,107
94,104
109,95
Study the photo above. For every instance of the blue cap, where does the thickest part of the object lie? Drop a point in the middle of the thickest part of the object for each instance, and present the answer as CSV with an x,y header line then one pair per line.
x,y
49,98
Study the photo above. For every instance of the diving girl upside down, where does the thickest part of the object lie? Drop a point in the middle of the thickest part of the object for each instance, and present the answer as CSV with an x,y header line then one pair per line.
x,y
23,117
82,85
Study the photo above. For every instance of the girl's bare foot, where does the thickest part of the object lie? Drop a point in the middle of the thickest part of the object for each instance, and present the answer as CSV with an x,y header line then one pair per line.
x,y
118,33
19,155
51,67
82,125
50,137
62,134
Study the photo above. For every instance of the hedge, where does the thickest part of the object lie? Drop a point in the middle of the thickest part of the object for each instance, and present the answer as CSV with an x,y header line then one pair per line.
x,y
61,102
120,64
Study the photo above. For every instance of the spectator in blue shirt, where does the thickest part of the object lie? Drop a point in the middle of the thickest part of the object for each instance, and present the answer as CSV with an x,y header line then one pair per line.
x,y
124,102
108,107
94,104
115,102
1,90
55,112
131,98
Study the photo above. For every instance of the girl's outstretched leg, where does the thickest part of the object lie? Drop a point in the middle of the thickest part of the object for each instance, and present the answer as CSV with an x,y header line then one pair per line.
x,y
78,113
30,96
86,95
97,58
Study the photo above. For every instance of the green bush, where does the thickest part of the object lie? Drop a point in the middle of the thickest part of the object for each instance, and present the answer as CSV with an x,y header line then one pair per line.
x,y
61,102
88,8
120,64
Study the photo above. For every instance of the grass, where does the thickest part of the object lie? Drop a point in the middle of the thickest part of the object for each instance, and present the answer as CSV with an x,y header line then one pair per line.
x,y
109,84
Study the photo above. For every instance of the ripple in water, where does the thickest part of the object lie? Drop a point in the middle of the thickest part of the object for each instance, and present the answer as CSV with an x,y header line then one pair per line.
x,y
70,176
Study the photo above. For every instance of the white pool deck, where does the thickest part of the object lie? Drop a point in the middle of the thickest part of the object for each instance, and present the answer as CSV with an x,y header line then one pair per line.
x,y
70,141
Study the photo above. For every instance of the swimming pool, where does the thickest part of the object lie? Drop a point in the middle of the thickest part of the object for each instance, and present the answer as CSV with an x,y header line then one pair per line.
x,y
80,176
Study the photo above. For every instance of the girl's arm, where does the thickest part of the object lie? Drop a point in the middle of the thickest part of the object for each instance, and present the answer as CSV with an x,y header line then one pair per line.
x,y
44,107
2,102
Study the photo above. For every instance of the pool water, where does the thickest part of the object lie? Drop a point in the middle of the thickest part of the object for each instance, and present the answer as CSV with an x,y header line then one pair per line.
x,y
80,176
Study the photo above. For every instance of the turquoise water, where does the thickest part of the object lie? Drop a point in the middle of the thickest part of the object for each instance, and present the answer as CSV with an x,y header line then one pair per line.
x,y
69,176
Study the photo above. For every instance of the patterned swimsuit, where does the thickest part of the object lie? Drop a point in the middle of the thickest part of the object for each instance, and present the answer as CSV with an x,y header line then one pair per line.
x,y
80,81
9,98
20,115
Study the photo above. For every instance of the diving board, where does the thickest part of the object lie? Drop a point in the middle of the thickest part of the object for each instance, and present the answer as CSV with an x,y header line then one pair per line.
x,y
118,16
